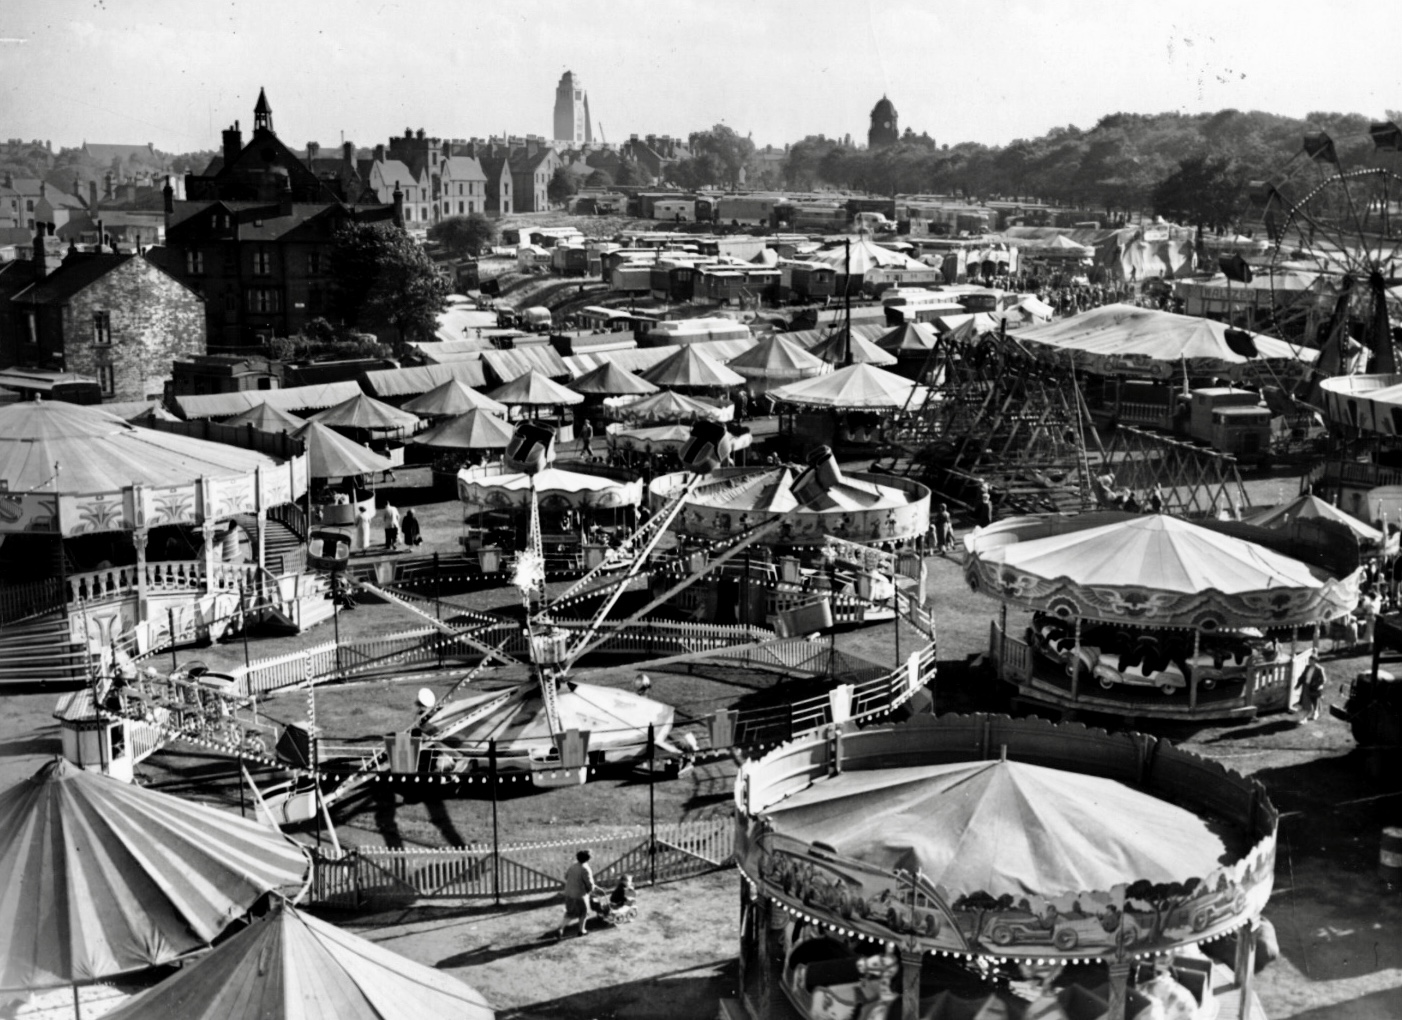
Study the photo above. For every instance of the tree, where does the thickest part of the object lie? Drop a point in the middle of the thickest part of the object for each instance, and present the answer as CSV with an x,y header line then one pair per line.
x,y
319,337
384,279
599,179
1205,190
730,152
464,236
630,174
562,186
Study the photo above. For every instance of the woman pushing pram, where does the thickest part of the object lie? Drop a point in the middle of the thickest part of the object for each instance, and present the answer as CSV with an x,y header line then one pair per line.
x,y
621,905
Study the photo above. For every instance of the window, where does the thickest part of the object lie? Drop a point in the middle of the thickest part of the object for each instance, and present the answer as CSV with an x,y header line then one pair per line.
x,y
408,213
194,262
462,207
29,205
263,300
262,262
102,328
107,379
314,262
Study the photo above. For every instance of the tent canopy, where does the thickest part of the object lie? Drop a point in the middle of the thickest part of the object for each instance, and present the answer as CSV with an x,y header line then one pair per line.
x,y
332,455
453,397
267,418
667,406
1308,506
288,965
365,412
853,387
535,389
776,358
491,486
910,338
690,369
656,438
474,430
834,349
1003,827
1153,570
608,380
105,877
865,257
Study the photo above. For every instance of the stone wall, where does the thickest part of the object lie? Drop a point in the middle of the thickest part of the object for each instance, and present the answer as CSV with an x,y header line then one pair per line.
x,y
155,320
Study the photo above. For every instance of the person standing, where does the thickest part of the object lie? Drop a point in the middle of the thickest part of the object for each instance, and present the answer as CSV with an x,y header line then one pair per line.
x,y
983,513
944,530
586,433
412,535
363,516
1312,683
579,886
391,527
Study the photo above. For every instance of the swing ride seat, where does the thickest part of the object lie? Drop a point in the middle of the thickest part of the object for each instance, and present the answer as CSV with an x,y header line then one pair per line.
x,y
328,550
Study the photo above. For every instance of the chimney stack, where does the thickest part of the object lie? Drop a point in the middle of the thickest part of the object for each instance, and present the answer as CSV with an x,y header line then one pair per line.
x,y
398,207
41,266
348,153
107,186
313,150
233,143
168,193
379,154
92,194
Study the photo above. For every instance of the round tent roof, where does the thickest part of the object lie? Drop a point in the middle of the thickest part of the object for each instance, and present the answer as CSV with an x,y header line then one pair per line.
x,y
493,486
1309,507
474,430
105,877
365,412
689,368
453,397
267,418
865,257
658,437
332,455
1152,570
608,380
778,358
535,389
834,349
670,406
853,387
910,338
97,452
288,965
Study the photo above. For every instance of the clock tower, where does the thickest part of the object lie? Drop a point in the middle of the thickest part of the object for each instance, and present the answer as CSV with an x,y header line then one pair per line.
x,y
883,130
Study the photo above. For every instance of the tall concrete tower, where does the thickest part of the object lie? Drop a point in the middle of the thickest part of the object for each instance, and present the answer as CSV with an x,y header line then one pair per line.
x,y
572,111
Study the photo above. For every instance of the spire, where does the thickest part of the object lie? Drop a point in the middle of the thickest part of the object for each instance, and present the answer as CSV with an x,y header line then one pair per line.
x,y
262,113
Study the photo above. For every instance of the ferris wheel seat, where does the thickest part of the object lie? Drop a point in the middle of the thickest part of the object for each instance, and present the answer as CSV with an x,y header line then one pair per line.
x,y
708,448
529,449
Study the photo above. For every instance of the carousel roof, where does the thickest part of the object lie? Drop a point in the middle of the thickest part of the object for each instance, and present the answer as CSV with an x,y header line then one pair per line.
x,y
267,418
608,380
865,257
1147,341
833,350
1003,827
365,412
910,338
689,367
658,437
492,485
288,965
332,455
99,452
474,430
535,389
669,406
1151,569
853,387
105,877
778,358
453,397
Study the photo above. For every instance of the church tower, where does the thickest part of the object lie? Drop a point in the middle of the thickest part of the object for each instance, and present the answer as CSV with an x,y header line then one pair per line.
x,y
884,130
262,113
572,112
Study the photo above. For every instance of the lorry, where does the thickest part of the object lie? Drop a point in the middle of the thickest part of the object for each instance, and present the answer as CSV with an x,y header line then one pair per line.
x,y
1227,419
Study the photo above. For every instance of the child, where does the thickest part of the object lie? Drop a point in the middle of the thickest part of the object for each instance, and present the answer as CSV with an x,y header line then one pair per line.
x,y
621,901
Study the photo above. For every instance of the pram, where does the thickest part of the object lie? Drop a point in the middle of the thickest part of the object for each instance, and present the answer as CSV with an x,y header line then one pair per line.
x,y
619,907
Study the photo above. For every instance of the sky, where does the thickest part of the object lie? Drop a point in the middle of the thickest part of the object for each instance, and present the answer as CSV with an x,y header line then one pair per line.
x,y
176,72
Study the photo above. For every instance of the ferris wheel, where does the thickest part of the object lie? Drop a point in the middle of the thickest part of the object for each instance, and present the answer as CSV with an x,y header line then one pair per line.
x,y
1335,273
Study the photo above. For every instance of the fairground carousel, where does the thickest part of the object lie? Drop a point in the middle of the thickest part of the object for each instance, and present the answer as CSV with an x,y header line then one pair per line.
x,y
985,866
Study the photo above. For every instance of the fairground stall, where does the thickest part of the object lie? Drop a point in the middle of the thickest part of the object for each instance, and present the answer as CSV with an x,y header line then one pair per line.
x,y
342,474
1153,616
115,533
373,423
986,866
776,360
536,396
850,407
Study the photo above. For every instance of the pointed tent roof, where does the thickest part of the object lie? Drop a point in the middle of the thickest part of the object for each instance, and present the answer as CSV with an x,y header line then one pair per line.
x,y
535,389
765,257
363,411
866,256
778,358
1003,827
689,368
475,430
288,965
669,406
608,380
1308,506
332,455
267,418
864,352
105,877
856,386
453,397
910,338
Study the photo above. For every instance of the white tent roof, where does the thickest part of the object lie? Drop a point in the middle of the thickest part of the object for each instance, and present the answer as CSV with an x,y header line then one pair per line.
x,y
857,386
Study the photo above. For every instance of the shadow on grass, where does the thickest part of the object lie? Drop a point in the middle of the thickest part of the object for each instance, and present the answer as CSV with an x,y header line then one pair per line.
x,y
678,995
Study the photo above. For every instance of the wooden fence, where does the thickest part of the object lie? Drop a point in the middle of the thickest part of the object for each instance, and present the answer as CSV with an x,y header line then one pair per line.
x,y
376,876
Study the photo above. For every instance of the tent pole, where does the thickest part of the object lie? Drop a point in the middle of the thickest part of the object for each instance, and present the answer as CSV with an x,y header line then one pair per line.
x,y
1076,661
77,1007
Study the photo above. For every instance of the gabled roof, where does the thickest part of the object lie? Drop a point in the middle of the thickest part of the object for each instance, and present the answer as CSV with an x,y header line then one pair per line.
x,y
105,152
394,171
463,168
79,271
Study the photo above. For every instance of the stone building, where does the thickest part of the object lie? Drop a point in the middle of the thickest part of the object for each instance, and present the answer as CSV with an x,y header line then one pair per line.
x,y
885,129
572,123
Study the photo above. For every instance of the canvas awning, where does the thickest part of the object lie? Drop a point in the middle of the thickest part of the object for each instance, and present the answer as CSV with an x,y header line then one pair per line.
x,y
364,412
855,387
1308,507
451,398
332,455
401,382
474,430
863,352
104,877
668,406
267,418
293,398
778,359
532,389
139,411
642,358
689,368
608,380
541,358
910,338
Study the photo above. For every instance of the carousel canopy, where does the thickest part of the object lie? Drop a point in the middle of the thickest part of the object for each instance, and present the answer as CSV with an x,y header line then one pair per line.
x,y
1003,827
691,369
834,349
910,338
267,418
778,358
535,389
657,438
1144,342
1150,569
332,455
851,388
103,877
288,965
669,406
608,380
453,397
865,258
475,430
365,412
99,452
491,486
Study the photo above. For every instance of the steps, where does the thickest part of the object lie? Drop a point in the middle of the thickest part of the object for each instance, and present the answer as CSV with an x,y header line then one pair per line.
x,y
40,651
285,552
